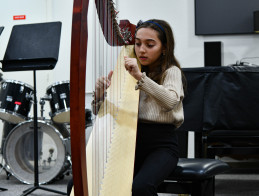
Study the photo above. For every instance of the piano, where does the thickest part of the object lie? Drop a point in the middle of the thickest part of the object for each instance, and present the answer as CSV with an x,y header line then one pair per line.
x,y
221,107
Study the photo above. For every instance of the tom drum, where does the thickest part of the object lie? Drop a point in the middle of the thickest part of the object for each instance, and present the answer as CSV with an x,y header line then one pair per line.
x,y
59,94
15,101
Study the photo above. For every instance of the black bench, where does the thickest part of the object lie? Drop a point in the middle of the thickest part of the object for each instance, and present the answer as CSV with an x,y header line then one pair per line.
x,y
194,176
236,144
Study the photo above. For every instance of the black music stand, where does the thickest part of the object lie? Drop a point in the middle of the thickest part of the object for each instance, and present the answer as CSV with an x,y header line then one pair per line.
x,y
33,47
2,189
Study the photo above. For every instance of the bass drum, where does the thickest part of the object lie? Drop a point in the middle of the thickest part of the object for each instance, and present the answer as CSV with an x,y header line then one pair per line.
x,y
53,151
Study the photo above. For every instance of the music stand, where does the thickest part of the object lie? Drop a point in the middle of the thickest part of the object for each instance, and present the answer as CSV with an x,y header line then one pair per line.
x,y
2,189
33,47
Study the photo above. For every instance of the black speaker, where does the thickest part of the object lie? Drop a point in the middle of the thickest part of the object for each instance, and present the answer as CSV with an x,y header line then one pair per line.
x,y
212,54
256,21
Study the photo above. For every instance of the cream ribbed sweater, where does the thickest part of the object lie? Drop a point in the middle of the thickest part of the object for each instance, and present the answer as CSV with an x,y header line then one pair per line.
x,y
162,103
159,103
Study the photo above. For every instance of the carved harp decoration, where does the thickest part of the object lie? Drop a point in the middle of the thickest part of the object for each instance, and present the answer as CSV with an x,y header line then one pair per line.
x,y
124,119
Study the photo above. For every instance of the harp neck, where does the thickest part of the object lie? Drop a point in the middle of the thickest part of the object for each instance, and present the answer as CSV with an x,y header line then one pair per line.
x,y
77,102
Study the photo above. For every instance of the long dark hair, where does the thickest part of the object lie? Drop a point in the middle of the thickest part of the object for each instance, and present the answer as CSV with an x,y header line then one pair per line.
x,y
168,59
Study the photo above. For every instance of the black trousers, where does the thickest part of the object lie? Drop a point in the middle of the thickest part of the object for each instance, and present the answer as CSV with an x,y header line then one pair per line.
x,y
156,157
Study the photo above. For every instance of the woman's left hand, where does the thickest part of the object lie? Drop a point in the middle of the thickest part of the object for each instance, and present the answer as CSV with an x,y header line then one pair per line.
x,y
131,66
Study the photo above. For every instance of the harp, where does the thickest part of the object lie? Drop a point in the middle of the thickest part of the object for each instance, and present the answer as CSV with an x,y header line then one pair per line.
x,y
121,109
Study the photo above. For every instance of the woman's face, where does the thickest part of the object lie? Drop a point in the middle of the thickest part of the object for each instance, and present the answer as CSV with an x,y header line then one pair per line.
x,y
148,47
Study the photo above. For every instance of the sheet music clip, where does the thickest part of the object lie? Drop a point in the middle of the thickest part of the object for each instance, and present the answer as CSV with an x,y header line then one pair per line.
x,y
32,47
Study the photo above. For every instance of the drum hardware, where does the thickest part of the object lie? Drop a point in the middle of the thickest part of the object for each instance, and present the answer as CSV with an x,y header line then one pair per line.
x,y
42,103
7,127
6,130
2,189
3,167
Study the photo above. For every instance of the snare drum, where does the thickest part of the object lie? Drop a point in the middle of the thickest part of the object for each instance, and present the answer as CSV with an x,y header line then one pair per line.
x,y
53,151
15,101
59,94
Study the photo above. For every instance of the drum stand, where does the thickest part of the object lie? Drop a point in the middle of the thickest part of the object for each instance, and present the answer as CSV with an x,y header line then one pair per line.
x,y
2,167
36,169
2,189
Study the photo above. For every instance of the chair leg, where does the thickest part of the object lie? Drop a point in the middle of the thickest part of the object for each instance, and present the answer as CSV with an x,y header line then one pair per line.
x,y
203,188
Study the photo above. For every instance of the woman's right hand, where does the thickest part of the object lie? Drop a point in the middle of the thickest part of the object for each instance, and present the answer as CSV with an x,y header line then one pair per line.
x,y
101,85
131,66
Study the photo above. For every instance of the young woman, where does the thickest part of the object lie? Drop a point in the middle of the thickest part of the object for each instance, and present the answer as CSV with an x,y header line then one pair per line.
x,y
161,84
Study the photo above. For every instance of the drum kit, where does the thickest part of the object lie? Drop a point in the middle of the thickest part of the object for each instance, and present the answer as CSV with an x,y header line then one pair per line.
x,y
54,150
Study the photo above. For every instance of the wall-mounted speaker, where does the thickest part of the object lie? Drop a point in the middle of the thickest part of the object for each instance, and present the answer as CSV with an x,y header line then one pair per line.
x,y
212,54
256,21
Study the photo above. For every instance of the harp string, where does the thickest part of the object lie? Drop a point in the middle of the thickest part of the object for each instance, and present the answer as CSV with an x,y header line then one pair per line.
x,y
104,60
80,38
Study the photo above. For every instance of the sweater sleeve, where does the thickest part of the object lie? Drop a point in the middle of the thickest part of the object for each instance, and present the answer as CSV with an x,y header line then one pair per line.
x,y
169,94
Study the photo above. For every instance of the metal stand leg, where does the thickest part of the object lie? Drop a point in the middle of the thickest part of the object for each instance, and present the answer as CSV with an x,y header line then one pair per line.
x,y
2,167
3,189
36,170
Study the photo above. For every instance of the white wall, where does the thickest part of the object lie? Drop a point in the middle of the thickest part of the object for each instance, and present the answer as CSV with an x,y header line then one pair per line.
x,y
189,48
180,14
36,12
62,11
